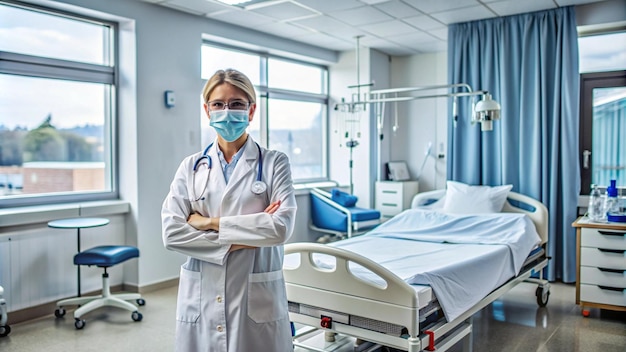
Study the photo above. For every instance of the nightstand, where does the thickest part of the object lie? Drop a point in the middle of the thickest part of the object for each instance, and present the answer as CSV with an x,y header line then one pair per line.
x,y
392,197
601,265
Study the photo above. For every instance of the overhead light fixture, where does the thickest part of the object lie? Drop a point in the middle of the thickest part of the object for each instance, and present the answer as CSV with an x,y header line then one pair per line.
x,y
485,112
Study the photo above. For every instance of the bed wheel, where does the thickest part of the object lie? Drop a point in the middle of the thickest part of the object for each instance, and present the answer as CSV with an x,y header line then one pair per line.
x,y
543,295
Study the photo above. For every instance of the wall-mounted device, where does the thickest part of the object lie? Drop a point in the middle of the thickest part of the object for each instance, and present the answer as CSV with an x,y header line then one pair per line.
x,y
170,99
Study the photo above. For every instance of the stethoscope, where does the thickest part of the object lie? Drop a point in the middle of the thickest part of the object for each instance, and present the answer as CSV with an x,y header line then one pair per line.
x,y
258,187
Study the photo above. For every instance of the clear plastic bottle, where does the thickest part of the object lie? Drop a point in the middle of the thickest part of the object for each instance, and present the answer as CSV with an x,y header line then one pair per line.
x,y
596,211
611,204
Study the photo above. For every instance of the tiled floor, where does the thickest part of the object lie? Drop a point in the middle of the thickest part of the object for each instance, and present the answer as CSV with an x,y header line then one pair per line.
x,y
513,323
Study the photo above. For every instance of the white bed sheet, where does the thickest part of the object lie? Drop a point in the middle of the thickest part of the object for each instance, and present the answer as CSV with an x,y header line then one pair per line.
x,y
462,257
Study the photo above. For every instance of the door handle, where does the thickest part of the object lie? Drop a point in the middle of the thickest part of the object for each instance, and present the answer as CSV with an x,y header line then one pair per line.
x,y
586,154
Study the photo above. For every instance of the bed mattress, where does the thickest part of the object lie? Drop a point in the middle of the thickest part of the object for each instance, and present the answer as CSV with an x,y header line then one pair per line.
x,y
454,259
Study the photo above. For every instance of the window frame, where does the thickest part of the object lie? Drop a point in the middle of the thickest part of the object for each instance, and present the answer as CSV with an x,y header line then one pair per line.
x,y
18,64
588,82
265,92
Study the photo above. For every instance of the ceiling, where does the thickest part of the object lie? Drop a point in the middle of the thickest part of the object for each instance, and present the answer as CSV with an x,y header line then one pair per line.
x,y
395,27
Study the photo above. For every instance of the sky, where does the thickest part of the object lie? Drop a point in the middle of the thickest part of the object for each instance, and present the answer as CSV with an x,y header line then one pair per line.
x,y
26,101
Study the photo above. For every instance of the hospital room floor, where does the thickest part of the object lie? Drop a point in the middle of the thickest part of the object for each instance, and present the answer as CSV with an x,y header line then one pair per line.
x,y
512,323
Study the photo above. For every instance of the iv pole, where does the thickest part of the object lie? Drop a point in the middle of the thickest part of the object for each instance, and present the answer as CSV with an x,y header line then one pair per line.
x,y
354,107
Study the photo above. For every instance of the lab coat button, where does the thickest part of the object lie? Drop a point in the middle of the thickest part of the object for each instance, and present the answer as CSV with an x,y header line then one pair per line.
x,y
220,328
218,299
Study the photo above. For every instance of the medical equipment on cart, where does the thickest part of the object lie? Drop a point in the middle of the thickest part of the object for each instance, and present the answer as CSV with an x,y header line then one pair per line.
x,y
258,187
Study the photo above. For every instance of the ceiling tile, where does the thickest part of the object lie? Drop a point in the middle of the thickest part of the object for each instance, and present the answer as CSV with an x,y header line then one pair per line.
x,y
398,9
574,2
386,46
198,7
386,28
463,15
284,11
244,18
384,25
511,7
374,2
431,6
361,16
330,6
327,24
283,29
423,22
412,38
326,41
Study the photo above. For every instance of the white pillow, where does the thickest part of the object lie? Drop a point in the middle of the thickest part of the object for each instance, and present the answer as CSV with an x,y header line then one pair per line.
x,y
466,199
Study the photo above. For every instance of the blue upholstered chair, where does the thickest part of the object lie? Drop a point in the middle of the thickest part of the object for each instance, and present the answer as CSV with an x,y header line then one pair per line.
x,y
103,257
5,329
331,217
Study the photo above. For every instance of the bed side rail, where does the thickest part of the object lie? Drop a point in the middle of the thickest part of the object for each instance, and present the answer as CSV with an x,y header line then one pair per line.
x,y
539,215
340,279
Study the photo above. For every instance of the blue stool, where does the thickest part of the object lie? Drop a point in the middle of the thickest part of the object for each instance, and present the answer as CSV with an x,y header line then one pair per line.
x,y
103,257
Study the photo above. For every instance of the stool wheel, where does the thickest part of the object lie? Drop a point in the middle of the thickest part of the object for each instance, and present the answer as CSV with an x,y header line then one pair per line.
x,y
79,324
136,316
5,330
59,312
141,302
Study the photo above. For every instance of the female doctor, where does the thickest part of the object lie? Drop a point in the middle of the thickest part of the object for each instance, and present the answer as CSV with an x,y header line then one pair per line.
x,y
230,209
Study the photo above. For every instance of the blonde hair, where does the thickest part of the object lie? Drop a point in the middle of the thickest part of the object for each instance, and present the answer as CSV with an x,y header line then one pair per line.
x,y
232,77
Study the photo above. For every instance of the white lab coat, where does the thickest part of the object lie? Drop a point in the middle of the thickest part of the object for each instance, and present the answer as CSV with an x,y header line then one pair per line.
x,y
233,302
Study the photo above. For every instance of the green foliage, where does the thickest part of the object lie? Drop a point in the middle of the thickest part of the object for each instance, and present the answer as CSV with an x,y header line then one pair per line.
x,y
44,143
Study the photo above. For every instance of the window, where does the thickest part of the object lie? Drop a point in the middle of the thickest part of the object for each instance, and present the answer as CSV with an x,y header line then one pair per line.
x,y
602,110
603,127
57,105
292,106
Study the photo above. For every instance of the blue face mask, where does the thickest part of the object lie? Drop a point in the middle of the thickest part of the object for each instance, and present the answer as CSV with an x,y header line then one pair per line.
x,y
230,124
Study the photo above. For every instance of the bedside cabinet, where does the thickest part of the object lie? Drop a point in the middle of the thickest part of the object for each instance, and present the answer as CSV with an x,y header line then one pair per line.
x,y
601,265
392,197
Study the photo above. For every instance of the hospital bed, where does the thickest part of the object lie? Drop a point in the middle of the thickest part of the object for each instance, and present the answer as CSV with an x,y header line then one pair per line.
x,y
342,289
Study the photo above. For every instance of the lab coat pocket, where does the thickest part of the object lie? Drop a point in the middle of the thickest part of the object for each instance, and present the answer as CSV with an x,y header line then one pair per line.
x,y
267,299
189,293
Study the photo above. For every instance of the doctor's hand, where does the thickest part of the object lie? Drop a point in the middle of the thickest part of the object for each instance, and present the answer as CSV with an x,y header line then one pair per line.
x,y
271,209
203,223
236,247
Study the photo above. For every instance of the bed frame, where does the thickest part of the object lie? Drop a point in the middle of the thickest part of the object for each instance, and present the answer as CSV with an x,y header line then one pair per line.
x,y
338,302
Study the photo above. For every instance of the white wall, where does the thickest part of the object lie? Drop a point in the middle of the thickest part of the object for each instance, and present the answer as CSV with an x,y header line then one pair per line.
x,y
420,121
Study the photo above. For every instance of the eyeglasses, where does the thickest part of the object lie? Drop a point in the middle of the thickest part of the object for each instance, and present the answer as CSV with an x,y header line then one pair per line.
x,y
232,105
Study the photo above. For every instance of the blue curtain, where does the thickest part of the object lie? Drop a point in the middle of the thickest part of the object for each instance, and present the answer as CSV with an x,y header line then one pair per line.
x,y
529,63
